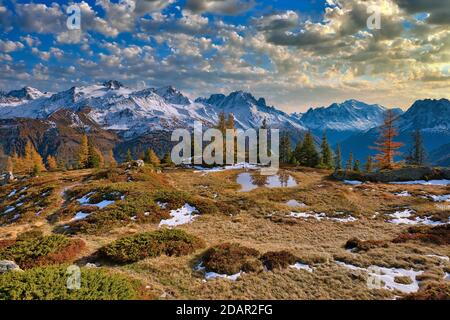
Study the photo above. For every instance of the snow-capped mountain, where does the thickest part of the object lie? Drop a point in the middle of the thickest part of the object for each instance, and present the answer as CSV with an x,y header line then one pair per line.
x,y
20,96
431,117
341,120
117,107
250,112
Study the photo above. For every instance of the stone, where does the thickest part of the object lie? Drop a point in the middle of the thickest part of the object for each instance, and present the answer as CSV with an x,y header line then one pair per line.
x,y
7,266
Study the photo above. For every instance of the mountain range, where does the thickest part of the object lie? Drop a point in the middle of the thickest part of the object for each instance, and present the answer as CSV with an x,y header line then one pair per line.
x,y
119,117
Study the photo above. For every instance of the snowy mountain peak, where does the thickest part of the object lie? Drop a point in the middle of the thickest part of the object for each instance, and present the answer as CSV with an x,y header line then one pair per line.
x,y
26,93
172,95
113,84
427,114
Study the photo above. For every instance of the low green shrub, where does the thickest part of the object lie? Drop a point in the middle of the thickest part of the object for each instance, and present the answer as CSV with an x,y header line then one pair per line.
x,y
171,242
29,252
50,283
231,258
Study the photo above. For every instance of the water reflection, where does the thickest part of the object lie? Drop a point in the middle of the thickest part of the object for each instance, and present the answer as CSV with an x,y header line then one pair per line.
x,y
250,182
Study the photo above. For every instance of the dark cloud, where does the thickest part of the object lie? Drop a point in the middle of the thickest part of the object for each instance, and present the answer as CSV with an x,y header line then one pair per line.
x,y
224,7
439,10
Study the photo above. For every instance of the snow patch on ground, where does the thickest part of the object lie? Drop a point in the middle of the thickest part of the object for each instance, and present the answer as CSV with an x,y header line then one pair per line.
x,y
101,205
404,217
213,275
425,183
180,216
384,278
237,166
403,194
321,216
295,203
301,266
162,205
80,216
443,198
445,258
12,193
353,182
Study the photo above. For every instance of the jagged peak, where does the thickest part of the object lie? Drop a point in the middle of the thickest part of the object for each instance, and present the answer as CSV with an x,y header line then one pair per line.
x,y
113,84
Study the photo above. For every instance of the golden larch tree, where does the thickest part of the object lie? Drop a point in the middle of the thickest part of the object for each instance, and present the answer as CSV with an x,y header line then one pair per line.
x,y
385,145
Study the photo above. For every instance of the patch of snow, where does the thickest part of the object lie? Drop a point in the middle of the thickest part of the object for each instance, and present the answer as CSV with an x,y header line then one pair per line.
x,y
12,193
384,278
237,166
321,216
295,203
103,204
85,199
353,182
214,275
443,198
443,182
180,216
162,205
447,276
404,217
403,194
445,258
9,209
80,216
301,266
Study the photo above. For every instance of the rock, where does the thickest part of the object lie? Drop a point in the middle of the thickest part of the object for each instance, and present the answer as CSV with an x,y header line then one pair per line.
x,y
7,266
136,164
91,265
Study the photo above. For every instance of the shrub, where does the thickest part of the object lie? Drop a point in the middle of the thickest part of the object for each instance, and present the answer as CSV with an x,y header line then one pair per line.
x,y
438,235
171,242
174,199
364,245
278,259
231,258
40,250
50,283
432,291
30,235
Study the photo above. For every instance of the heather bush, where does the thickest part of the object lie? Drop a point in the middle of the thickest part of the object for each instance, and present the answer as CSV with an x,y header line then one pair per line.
x,y
29,252
278,259
171,242
231,258
50,283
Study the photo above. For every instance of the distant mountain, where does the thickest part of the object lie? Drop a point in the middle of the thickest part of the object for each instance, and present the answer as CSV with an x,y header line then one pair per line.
x,y
342,120
440,156
431,117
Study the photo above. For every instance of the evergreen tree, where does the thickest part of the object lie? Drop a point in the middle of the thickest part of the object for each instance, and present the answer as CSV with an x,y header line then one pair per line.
x,y
349,165
285,148
95,157
51,163
369,164
167,159
111,160
83,152
152,158
128,157
338,158
297,154
417,154
326,154
33,159
357,166
308,155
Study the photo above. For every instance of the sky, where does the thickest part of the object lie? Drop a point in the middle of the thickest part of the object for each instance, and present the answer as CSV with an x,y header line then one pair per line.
x,y
295,53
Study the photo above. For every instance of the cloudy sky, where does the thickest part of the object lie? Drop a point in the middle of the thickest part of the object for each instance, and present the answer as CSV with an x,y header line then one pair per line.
x,y
295,53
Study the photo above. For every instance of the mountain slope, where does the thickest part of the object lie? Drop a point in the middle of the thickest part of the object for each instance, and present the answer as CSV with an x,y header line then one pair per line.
x,y
431,117
342,120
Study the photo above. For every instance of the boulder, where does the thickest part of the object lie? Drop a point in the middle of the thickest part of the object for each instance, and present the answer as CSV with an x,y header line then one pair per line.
x,y
7,266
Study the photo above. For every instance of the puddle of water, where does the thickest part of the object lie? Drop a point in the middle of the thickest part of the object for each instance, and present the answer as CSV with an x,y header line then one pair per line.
x,y
250,182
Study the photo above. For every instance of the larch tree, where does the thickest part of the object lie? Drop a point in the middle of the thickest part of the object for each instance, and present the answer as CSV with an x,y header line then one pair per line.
x,y
111,160
128,157
52,164
385,145
83,152
152,158
417,153
167,159
349,164
95,157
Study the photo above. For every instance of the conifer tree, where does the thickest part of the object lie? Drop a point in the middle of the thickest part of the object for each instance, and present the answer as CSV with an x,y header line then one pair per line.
x,y
349,165
385,144
326,154
95,157
308,155
338,158
152,158
51,163
111,160
128,157
167,159
357,166
417,154
83,152
285,148
369,165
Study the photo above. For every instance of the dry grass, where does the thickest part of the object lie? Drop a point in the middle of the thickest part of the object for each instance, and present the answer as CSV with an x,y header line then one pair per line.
x,y
258,220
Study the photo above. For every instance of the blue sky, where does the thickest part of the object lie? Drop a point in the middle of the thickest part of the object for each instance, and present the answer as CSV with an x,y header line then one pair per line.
x,y
296,54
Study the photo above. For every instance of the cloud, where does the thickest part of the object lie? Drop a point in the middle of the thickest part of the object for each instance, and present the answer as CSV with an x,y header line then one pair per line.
x,y
439,10
223,7
10,46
